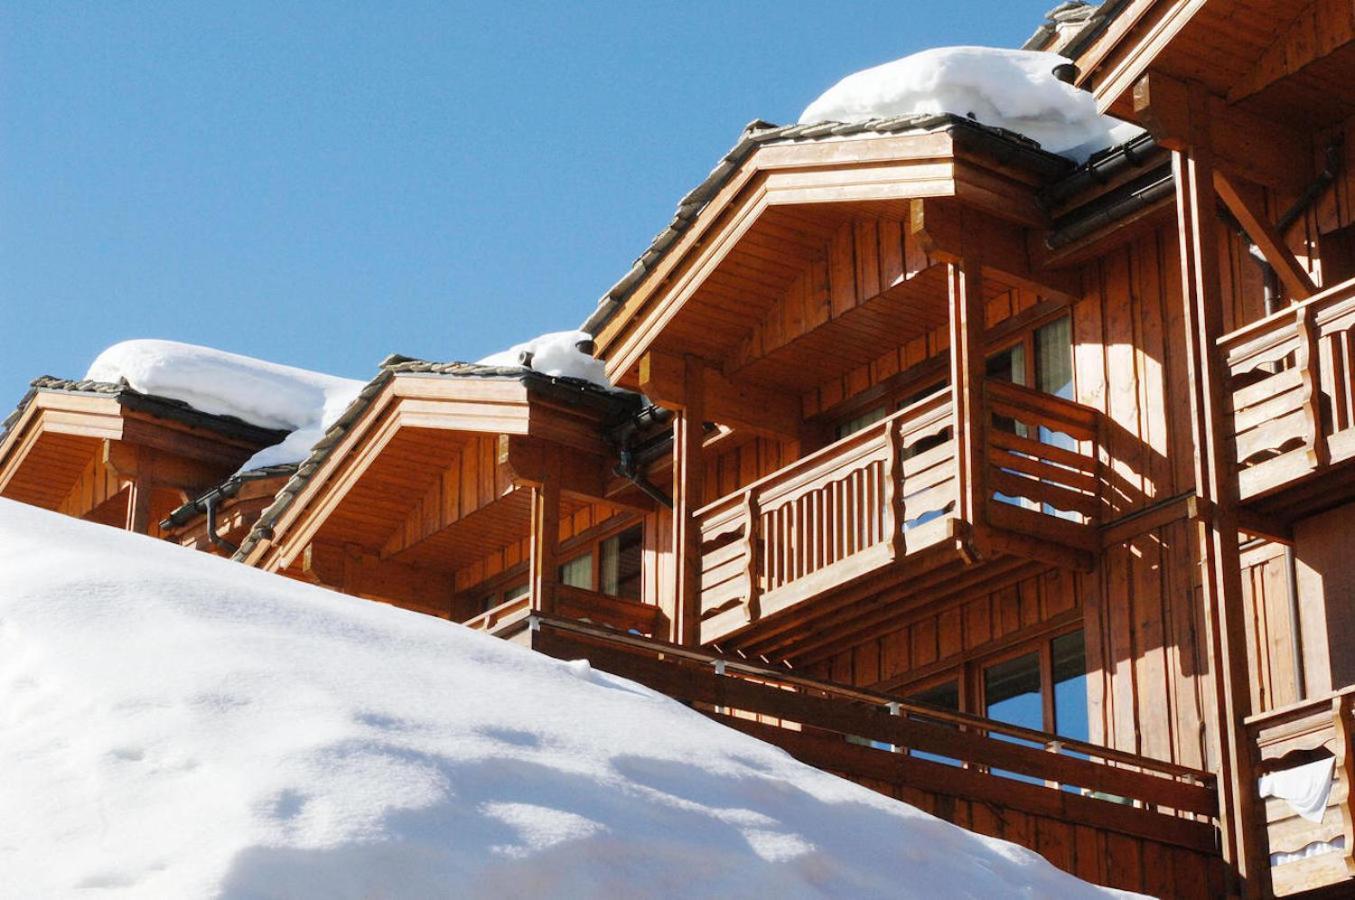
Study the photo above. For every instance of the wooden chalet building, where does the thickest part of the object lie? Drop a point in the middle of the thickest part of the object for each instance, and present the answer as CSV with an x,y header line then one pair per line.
x,y
1017,489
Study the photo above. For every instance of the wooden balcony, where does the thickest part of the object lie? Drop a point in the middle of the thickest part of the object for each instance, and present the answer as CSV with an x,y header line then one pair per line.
x,y
1306,855
1110,817
885,501
629,616
1292,381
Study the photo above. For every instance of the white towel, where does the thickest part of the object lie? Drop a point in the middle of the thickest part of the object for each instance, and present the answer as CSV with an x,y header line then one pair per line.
x,y
1306,787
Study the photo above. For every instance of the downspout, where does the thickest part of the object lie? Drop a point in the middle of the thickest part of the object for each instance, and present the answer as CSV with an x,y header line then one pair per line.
x,y
631,468
211,501
1310,195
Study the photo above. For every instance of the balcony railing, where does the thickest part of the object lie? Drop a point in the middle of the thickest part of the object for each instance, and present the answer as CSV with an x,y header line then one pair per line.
x,y
1292,382
575,603
890,744
891,490
1309,745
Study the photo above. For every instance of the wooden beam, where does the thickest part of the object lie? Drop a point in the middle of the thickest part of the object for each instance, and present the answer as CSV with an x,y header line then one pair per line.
x,y
741,406
1241,819
350,570
1011,255
1271,244
531,462
688,496
1245,145
544,565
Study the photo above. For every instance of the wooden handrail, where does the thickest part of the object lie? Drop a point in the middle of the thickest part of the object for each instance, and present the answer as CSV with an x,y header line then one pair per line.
x,y
495,614
875,698
1276,322
836,450
719,690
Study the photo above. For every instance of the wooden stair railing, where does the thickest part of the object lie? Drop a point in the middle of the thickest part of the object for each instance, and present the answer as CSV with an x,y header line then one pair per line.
x,y
1292,378
824,725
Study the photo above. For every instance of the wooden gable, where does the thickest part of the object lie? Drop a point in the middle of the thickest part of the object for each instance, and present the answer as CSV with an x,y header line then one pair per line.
x,y
90,454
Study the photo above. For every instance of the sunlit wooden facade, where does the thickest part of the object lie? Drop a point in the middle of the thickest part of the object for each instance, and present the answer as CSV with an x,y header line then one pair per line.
x,y
1017,489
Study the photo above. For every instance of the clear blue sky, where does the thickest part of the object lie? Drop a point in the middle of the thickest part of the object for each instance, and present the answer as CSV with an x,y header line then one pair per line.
x,y
321,184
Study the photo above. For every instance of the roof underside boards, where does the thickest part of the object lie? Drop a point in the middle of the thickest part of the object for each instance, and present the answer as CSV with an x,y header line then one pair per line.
x,y
412,427
1277,59
801,235
861,162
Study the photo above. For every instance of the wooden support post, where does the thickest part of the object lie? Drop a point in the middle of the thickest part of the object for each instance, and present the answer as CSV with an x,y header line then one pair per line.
x,y
688,493
1307,361
967,366
1216,485
545,563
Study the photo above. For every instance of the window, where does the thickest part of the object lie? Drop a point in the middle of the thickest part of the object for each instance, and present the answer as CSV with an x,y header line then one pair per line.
x,y
620,569
578,572
1070,686
612,564
494,598
1044,688
865,420
946,696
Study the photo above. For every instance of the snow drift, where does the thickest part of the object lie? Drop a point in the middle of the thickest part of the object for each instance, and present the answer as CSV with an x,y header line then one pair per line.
x,y
556,354
1012,89
176,725
213,381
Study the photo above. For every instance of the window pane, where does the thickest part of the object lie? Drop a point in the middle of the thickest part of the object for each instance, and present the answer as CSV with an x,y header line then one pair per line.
x,y
619,568
1012,691
1009,365
942,696
516,591
865,420
578,572
1070,686
1054,358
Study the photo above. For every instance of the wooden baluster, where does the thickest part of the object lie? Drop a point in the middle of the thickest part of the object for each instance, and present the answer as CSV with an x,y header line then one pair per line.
x,y
1345,770
893,492
752,529
1308,359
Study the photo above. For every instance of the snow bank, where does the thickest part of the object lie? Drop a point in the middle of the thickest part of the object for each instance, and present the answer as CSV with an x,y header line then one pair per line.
x,y
176,725
555,354
1012,89
228,384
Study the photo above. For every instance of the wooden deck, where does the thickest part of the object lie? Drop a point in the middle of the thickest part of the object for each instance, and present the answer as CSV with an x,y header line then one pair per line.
x,y
1310,731
884,501
1293,400
1111,817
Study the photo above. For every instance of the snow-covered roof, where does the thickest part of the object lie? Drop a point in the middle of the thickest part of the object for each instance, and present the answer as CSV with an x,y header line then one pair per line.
x,y
759,133
495,366
125,396
174,725
267,394
1015,90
